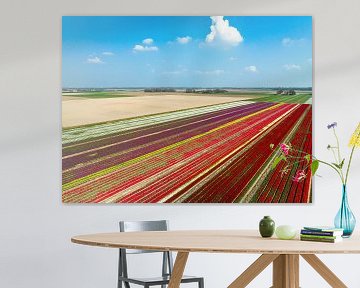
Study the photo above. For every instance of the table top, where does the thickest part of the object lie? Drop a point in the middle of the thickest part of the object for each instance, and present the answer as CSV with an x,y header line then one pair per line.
x,y
217,241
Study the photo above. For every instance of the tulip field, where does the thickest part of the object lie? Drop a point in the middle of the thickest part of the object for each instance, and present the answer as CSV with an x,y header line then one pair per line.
x,y
211,154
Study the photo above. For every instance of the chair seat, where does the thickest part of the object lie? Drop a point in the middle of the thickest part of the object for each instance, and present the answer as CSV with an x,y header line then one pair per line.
x,y
158,280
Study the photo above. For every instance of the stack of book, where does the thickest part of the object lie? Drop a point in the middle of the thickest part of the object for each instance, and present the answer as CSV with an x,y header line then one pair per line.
x,y
321,234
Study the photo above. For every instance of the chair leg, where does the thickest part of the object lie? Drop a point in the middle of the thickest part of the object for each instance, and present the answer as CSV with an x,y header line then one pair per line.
x,y
201,283
164,266
126,284
120,270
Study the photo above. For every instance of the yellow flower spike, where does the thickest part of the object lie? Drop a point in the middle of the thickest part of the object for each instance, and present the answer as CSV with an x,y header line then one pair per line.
x,y
355,138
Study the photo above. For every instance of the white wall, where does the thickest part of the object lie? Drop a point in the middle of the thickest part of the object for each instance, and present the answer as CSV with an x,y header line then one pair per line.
x,y
35,227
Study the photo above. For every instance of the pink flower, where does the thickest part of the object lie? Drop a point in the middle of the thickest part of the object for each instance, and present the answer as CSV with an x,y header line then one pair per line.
x,y
300,176
285,148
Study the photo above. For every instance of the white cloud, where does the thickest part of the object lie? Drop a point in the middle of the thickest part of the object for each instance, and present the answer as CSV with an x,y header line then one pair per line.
x,y
292,67
251,69
211,72
287,42
148,41
94,60
143,48
233,58
183,40
223,33
107,53
146,47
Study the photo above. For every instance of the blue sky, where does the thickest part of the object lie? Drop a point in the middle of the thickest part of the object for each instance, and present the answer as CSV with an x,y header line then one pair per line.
x,y
218,51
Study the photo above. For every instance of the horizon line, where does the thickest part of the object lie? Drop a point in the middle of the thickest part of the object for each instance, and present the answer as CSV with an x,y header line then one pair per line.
x,y
192,87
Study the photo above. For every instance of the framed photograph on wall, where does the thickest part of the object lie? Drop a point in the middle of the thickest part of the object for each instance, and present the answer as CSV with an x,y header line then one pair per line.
x,y
186,109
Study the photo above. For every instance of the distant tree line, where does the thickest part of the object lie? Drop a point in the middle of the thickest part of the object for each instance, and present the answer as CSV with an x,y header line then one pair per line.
x,y
206,91
188,90
286,92
159,90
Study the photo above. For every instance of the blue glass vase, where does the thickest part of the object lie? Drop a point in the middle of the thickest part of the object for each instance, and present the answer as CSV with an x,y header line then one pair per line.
x,y
345,219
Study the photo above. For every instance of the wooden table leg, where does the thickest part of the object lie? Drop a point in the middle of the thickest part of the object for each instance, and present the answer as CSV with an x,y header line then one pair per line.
x,y
279,271
286,271
253,270
324,271
293,262
178,269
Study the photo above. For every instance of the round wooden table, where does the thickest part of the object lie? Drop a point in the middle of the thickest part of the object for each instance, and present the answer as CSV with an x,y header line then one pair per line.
x,y
284,254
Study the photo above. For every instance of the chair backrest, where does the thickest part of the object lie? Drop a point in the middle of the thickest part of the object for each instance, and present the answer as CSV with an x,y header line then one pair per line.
x,y
138,226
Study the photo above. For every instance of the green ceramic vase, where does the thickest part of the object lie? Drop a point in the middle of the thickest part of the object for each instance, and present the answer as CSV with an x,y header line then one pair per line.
x,y
267,227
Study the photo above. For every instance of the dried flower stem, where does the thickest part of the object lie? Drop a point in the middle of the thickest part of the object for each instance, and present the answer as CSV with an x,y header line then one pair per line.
x,y
337,146
339,155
